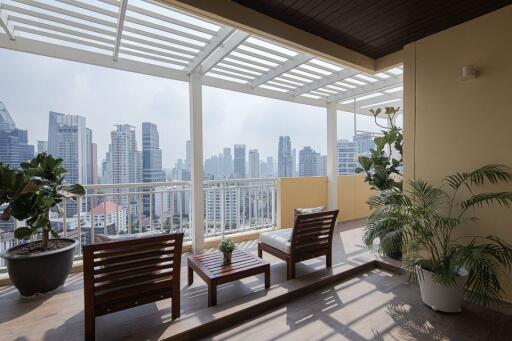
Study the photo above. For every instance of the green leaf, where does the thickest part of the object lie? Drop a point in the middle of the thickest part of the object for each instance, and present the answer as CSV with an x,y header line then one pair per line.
x,y
23,232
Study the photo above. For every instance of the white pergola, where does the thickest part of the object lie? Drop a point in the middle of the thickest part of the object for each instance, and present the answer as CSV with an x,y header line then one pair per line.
x,y
148,37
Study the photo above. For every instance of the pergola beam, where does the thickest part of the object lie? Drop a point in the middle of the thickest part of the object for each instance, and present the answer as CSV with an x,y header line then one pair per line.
x,y
320,83
229,45
6,25
366,89
279,70
204,53
123,5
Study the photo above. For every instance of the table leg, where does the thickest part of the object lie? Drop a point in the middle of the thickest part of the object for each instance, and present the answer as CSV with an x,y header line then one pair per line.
x,y
212,293
190,276
267,277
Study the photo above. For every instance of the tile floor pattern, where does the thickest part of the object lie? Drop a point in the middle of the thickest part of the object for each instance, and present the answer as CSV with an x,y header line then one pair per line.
x,y
373,306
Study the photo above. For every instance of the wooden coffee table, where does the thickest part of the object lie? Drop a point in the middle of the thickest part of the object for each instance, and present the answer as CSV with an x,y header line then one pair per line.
x,y
210,268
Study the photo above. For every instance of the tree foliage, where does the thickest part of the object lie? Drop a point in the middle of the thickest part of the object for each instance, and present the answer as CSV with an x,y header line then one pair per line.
x,y
32,191
429,219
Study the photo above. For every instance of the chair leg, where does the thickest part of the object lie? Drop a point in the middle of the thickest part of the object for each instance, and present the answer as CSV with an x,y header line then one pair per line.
x,y
175,305
260,251
90,326
291,269
328,260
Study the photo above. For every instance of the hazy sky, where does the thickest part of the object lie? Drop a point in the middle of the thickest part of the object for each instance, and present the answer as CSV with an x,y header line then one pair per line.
x,y
31,86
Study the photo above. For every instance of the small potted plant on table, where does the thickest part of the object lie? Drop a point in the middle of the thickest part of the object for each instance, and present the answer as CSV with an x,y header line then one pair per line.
x,y
227,246
28,194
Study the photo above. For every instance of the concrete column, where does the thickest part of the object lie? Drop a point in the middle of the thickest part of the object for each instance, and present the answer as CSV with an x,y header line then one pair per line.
x,y
332,172
196,146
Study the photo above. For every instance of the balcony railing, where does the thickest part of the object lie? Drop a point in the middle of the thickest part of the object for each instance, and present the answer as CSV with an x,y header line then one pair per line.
x,y
230,206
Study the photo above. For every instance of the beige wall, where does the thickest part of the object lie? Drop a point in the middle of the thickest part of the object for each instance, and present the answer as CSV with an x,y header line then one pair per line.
x,y
452,125
305,192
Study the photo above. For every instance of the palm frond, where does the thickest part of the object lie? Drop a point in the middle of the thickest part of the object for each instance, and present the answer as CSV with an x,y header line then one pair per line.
x,y
491,173
478,200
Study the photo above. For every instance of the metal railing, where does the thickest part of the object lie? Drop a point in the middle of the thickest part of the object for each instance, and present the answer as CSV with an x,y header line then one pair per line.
x,y
230,206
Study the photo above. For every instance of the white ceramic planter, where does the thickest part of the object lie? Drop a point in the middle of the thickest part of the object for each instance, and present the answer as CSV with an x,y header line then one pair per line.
x,y
442,298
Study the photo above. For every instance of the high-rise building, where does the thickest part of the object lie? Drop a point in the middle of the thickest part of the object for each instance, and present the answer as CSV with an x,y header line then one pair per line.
x,y
151,162
239,161
321,165
308,159
284,157
14,147
346,153
188,155
228,163
42,147
254,164
294,162
67,139
88,145
364,142
124,155
214,167
94,163
270,167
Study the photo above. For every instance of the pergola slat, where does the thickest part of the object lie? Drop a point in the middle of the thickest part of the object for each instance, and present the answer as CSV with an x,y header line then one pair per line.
x,y
327,80
280,69
230,44
216,41
123,4
6,25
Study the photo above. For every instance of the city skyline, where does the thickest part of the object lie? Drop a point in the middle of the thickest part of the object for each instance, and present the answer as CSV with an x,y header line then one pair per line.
x,y
108,97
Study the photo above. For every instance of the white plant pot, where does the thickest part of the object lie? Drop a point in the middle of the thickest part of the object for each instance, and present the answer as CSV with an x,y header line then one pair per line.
x,y
447,299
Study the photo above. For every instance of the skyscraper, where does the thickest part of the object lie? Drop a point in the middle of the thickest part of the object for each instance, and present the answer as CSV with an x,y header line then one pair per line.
x,y
67,139
270,166
151,161
228,163
346,153
364,143
254,164
14,147
188,155
42,147
284,157
88,145
239,162
308,159
124,156
321,165
294,162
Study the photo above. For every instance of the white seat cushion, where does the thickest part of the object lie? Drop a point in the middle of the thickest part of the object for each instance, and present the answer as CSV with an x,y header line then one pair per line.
x,y
280,239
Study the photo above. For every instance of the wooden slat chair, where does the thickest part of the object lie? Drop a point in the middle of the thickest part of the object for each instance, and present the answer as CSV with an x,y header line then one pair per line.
x,y
124,274
310,237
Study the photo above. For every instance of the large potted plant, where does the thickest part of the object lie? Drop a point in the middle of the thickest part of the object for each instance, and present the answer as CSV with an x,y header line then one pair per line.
x,y
382,169
446,262
29,194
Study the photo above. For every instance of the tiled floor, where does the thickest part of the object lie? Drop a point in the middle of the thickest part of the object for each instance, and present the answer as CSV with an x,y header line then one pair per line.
x,y
59,316
374,306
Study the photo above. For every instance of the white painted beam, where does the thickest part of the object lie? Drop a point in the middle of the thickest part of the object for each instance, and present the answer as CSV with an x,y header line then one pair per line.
x,y
320,83
6,25
196,144
214,43
123,4
332,169
366,89
279,70
229,45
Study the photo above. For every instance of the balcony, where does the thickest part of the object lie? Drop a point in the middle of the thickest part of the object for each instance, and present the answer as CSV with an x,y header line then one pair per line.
x,y
446,65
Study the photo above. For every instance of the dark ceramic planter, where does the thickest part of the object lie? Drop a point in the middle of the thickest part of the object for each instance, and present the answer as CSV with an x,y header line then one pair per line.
x,y
227,258
40,273
394,255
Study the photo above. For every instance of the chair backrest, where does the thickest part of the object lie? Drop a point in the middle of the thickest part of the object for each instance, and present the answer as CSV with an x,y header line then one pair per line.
x,y
122,274
312,234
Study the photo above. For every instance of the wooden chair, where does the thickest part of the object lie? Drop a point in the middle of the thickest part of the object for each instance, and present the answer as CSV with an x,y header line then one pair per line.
x,y
123,274
310,237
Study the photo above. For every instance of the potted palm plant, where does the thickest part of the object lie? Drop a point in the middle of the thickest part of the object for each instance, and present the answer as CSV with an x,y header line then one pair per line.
x,y
446,262
226,246
382,169
29,194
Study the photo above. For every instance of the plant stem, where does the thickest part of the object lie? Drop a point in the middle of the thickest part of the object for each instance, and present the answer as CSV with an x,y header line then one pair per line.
x,y
44,239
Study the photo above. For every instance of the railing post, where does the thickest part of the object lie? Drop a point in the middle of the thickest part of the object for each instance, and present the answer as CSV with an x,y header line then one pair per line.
x,y
222,207
332,173
196,142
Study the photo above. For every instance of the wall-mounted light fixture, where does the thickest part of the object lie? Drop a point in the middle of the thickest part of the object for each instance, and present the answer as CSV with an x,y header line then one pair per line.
x,y
469,72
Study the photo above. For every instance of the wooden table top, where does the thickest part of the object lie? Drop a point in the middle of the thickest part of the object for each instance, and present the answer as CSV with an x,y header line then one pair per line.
x,y
211,264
